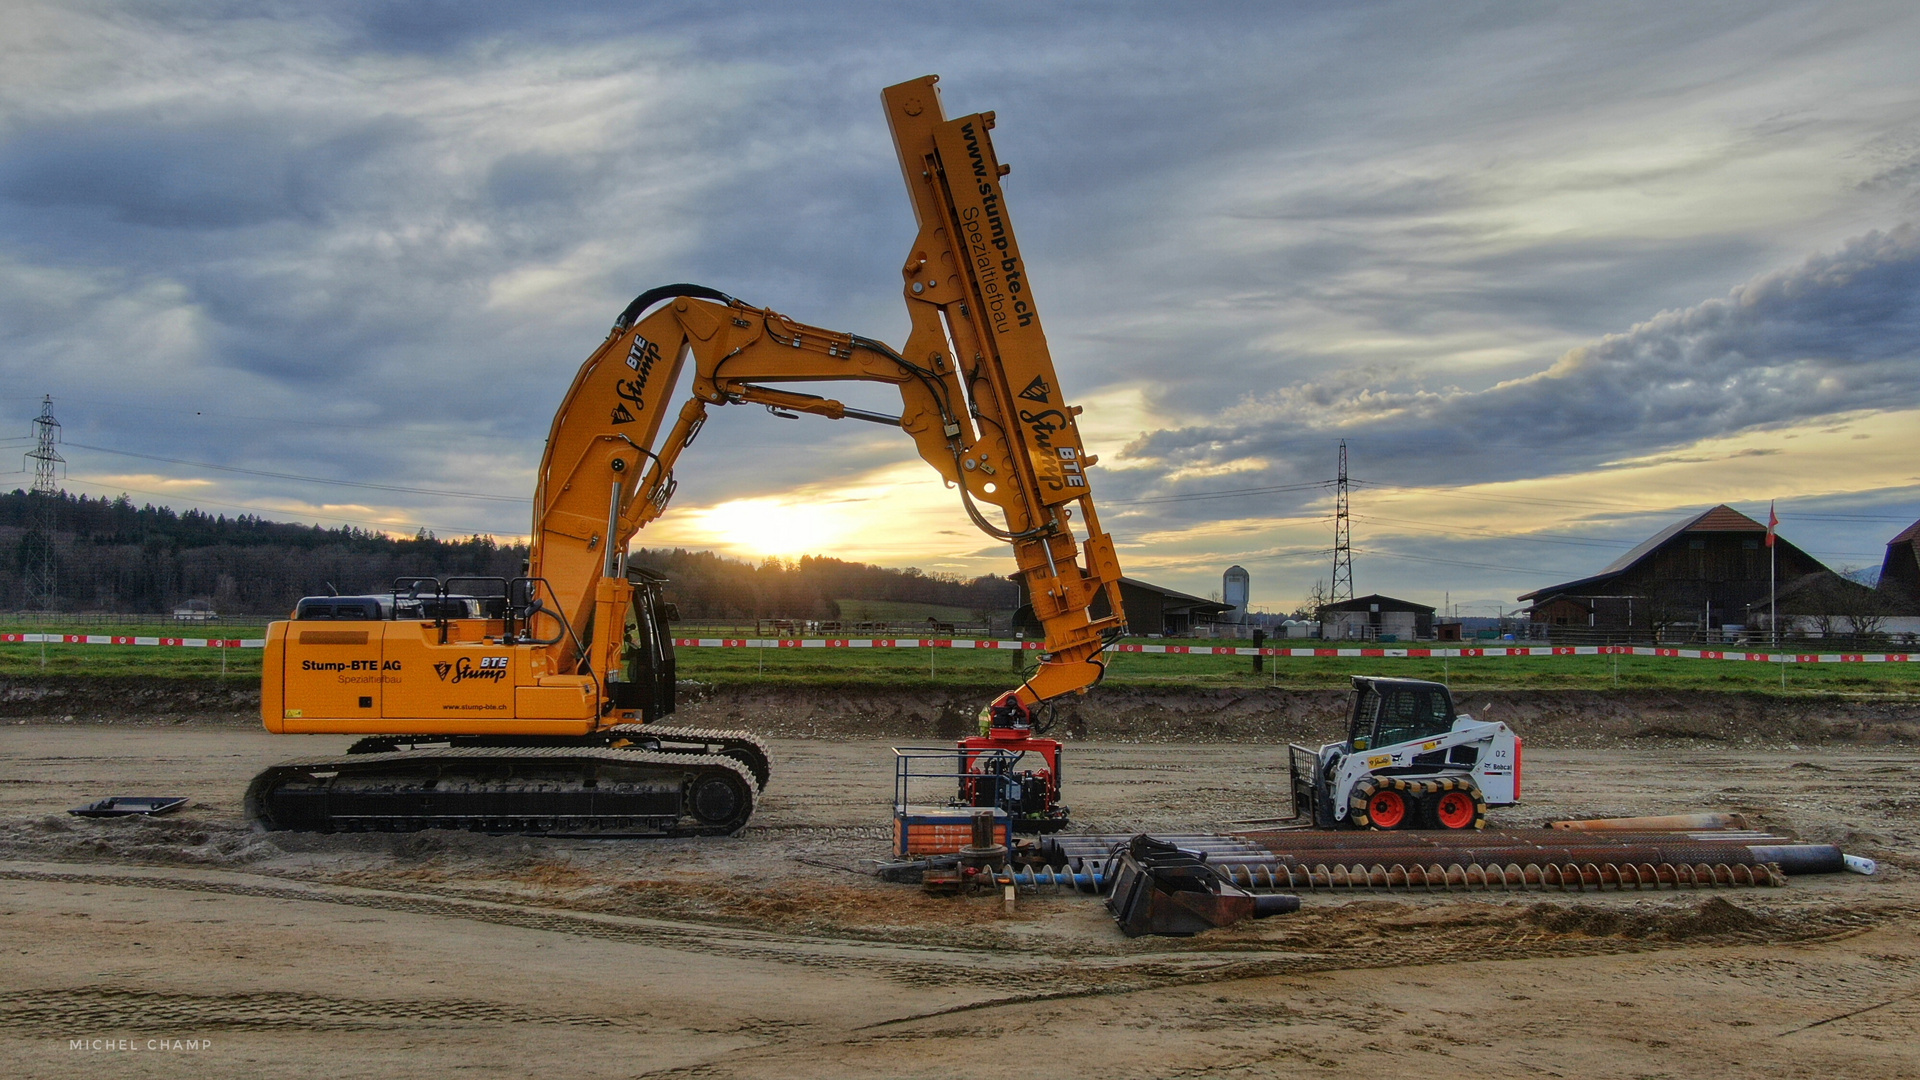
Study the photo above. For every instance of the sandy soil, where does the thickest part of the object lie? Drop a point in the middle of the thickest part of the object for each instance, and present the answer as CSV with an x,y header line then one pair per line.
x,y
776,954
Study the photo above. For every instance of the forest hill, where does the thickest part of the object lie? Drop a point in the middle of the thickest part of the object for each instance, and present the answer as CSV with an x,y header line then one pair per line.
x,y
113,556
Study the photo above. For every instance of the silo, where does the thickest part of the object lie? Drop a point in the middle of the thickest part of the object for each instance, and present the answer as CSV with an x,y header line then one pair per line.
x,y
1236,590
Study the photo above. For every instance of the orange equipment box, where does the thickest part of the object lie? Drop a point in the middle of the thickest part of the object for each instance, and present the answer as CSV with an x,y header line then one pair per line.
x,y
941,830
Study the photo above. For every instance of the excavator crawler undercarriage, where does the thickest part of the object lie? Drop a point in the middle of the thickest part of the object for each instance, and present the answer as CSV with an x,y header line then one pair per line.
x,y
550,790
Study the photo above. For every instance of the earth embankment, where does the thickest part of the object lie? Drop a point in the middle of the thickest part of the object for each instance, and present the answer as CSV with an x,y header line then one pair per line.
x,y
1111,713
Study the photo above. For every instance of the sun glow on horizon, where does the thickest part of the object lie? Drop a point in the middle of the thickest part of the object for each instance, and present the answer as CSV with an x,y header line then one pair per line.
x,y
898,515
772,526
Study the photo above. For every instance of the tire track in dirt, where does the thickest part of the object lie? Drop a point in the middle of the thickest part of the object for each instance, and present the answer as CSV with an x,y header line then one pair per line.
x,y
1542,931
1527,941
53,1012
822,953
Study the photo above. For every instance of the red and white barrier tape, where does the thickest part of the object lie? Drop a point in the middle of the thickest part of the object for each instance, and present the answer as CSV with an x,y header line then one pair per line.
x,y
124,639
1229,650
1468,653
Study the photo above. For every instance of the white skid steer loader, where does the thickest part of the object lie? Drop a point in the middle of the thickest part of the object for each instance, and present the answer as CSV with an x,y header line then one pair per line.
x,y
1408,762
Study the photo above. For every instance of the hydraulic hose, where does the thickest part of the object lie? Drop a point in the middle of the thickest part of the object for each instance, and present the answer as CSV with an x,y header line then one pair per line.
x,y
665,292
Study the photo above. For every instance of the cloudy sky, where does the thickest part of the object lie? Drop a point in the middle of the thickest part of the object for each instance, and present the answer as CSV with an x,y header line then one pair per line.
x,y
1558,274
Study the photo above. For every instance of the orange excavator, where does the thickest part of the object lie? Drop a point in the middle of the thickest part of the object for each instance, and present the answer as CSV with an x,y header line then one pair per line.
x,y
534,703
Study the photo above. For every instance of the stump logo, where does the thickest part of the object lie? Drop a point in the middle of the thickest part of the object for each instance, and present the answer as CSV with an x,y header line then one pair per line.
x,y
490,668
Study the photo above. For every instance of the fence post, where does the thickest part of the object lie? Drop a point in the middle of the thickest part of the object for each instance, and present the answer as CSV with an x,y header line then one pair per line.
x,y
1259,660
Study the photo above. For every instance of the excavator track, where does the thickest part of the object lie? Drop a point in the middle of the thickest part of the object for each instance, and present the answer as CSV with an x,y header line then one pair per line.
x,y
747,749
586,790
743,747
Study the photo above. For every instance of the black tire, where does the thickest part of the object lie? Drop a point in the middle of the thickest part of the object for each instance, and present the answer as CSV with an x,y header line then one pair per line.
x,y
1369,804
1357,802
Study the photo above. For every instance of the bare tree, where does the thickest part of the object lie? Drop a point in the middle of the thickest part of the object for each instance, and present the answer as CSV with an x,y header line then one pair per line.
x,y
1866,609
1319,595
1663,611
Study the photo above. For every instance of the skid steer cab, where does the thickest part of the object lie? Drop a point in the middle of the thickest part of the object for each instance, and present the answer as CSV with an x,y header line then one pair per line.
x,y
1409,761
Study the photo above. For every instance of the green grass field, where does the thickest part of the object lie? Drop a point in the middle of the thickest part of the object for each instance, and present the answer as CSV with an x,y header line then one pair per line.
x,y
994,668
988,669
902,613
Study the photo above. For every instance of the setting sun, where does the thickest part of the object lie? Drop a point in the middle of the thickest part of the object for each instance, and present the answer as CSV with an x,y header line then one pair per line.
x,y
769,527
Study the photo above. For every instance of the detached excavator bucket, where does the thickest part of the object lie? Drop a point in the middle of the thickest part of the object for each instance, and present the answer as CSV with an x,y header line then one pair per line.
x,y
1160,889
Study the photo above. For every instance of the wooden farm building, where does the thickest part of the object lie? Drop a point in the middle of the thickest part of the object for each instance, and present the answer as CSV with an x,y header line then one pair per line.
x,y
1900,572
1152,610
1700,573
1373,617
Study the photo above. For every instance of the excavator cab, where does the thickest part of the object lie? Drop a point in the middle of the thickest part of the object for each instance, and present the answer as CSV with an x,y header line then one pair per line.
x,y
648,684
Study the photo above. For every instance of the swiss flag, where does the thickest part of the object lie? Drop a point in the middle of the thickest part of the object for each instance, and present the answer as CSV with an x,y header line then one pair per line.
x,y
1773,522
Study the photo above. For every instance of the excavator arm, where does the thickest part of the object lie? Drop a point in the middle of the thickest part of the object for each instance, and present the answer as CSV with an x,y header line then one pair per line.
x,y
978,391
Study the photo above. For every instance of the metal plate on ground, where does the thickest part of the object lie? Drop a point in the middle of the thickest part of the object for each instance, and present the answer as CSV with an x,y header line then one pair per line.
x,y
125,805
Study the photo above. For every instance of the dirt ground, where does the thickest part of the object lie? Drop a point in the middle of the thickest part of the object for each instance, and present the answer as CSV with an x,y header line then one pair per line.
x,y
777,954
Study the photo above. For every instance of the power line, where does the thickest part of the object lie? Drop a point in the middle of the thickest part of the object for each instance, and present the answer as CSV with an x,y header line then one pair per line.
x,y
1228,493
1456,562
1573,541
1297,553
1540,538
1794,516
1530,500
1524,499
393,428
307,479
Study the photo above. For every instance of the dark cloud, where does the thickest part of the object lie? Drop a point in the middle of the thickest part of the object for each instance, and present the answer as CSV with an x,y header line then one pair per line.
x,y
419,217
212,173
518,180
1838,333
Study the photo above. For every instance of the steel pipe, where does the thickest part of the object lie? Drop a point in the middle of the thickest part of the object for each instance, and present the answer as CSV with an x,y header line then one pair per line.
x,y
1668,822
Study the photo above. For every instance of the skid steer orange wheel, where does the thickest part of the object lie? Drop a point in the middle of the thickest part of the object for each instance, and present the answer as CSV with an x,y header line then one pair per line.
x,y
1455,810
1388,809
